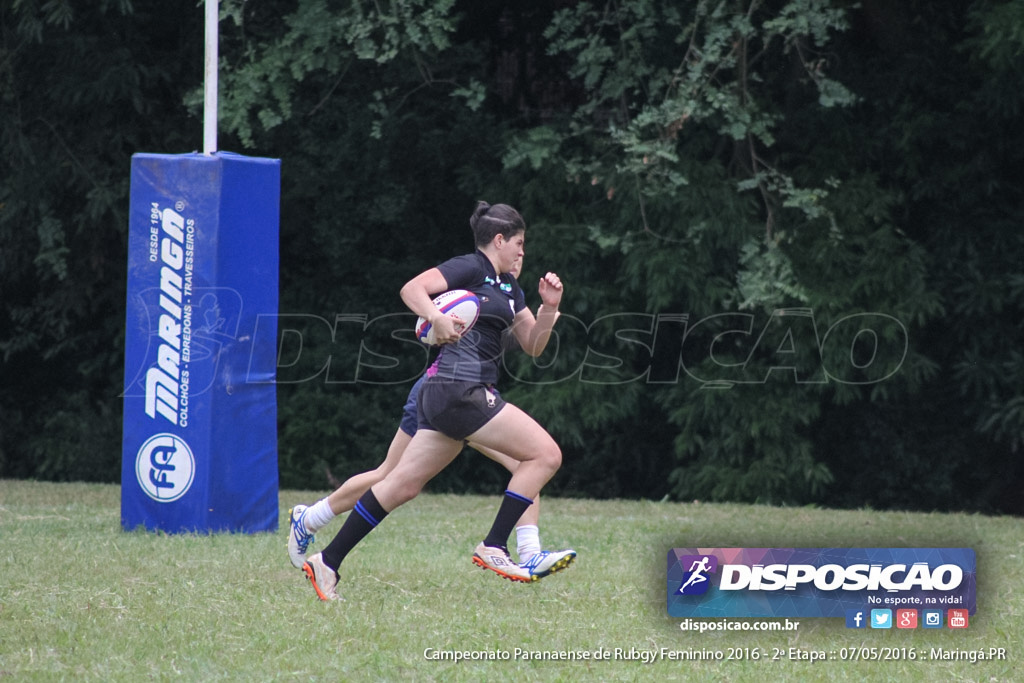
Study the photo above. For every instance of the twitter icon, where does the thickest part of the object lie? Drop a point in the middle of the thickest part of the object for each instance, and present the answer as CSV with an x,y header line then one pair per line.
x,y
881,618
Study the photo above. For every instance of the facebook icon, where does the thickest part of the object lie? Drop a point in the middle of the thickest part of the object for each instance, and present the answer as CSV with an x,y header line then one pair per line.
x,y
855,618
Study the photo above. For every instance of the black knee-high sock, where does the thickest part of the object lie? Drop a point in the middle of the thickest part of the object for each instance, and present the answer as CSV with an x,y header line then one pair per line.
x,y
512,508
363,519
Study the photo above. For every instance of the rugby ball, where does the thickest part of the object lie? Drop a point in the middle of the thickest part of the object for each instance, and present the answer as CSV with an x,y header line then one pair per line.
x,y
458,302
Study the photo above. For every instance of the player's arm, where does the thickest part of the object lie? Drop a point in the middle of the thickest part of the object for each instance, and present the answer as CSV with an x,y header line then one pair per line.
x,y
534,332
417,293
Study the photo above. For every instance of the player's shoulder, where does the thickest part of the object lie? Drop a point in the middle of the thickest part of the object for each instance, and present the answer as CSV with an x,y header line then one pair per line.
x,y
467,263
468,259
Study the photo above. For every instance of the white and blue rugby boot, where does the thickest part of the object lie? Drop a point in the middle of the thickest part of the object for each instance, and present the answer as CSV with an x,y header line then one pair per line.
x,y
298,538
547,562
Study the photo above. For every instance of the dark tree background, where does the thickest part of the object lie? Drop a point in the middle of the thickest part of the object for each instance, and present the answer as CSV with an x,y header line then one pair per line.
x,y
790,229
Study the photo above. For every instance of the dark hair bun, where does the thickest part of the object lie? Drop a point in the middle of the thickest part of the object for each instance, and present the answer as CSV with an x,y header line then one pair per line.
x,y
481,209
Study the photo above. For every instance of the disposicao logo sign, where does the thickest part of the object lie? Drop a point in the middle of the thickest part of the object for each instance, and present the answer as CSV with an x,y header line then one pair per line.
x,y
817,582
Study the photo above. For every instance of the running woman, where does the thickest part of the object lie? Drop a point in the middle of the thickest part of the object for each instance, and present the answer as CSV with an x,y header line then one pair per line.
x,y
459,403
306,521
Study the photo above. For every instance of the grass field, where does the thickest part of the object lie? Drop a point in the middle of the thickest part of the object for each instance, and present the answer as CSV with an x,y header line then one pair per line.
x,y
82,600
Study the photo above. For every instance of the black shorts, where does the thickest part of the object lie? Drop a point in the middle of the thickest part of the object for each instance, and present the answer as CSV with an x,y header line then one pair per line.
x,y
456,408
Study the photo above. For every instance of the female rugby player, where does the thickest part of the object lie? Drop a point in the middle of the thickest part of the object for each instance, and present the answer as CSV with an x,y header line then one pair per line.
x,y
306,521
458,403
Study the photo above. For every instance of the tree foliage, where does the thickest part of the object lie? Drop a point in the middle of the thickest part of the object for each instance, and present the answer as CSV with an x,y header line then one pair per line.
x,y
79,92
787,228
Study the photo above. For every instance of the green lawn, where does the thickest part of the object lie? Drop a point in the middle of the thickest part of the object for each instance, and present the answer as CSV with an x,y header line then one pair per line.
x,y
82,600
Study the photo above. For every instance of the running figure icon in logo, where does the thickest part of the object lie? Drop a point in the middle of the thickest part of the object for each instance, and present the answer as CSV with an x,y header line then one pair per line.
x,y
695,580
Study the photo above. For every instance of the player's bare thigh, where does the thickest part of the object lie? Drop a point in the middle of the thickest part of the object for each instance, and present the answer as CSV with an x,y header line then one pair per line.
x,y
517,435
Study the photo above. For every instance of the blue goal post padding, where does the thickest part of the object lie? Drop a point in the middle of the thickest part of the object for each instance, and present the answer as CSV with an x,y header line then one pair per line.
x,y
199,450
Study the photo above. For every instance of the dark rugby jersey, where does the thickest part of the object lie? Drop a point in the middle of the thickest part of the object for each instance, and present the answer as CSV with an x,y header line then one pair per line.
x,y
476,357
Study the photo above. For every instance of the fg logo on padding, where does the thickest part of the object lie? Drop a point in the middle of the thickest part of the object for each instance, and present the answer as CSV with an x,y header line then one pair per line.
x,y
165,467
695,579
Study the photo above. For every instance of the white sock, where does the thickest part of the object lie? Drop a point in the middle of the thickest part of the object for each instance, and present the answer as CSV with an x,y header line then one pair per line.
x,y
317,516
527,541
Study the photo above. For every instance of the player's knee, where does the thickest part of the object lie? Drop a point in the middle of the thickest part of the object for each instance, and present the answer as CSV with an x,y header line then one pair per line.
x,y
551,457
406,490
